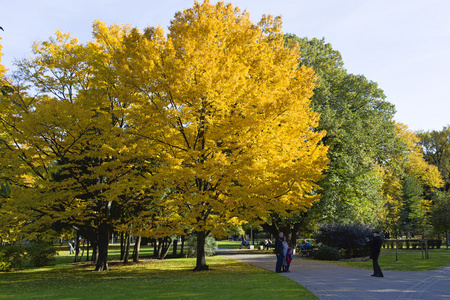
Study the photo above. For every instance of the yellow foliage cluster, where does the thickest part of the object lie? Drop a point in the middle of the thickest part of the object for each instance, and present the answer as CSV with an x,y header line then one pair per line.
x,y
205,126
412,163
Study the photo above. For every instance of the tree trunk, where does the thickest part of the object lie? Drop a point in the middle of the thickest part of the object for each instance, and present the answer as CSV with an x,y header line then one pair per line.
x,y
94,251
127,248
155,249
87,250
167,244
446,238
294,235
137,247
82,251
201,256
77,247
175,246
158,253
183,237
103,239
122,245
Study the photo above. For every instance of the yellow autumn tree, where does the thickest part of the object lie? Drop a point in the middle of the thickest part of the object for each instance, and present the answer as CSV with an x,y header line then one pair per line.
x,y
2,67
408,160
10,220
72,160
227,110
204,127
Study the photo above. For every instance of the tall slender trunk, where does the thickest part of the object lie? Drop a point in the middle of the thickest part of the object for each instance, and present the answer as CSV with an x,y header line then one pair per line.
x,y
155,249
122,245
94,251
160,244
77,247
167,244
137,247
103,239
175,246
87,250
201,255
446,238
127,248
82,251
183,237
294,235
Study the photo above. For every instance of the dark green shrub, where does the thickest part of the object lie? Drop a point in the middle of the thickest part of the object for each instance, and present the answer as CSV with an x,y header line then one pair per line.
x,y
210,246
40,254
12,256
327,253
349,239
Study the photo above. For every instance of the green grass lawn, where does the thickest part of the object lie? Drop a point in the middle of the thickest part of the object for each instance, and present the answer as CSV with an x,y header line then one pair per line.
x,y
229,244
113,253
150,279
408,260
174,278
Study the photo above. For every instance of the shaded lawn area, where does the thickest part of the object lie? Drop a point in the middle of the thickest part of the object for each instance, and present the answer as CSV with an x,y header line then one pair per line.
x,y
229,244
113,253
407,261
155,279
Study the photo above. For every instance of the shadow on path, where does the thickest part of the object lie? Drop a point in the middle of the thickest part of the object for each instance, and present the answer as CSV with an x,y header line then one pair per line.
x,y
329,281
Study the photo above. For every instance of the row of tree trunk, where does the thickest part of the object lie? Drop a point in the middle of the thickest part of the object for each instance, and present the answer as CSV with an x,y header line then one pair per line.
x,y
161,248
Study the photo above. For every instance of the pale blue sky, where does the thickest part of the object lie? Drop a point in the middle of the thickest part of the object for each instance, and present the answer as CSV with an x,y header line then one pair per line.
x,y
403,45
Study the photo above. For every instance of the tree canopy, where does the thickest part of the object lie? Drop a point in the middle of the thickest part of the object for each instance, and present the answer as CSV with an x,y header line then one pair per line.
x,y
360,130
205,126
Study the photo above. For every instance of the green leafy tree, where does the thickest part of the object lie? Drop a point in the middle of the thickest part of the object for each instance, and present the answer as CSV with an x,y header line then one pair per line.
x,y
440,213
436,151
406,159
412,211
360,131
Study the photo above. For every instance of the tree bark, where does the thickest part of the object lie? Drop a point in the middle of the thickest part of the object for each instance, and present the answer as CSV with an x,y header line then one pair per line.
x,y
127,247
94,252
137,247
201,256
82,251
446,238
87,250
155,249
167,244
294,233
183,237
158,253
122,245
77,247
175,246
103,239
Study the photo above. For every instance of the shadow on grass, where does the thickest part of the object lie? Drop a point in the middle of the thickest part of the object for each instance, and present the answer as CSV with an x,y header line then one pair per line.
x,y
150,278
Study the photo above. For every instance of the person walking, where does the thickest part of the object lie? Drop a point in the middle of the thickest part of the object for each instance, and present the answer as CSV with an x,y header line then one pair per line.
x,y
71,250
279,252
375,248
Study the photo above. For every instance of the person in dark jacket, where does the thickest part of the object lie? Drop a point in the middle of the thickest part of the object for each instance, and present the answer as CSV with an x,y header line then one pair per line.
x,y
375,248
279,252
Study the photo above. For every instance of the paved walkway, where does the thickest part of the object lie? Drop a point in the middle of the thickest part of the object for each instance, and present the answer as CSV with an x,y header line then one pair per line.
x,y
329,281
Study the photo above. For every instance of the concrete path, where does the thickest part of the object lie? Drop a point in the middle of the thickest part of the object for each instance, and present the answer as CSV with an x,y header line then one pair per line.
x,y
329,281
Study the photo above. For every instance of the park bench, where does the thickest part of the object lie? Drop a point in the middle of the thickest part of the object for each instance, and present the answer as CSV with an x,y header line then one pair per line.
x,y
307,251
